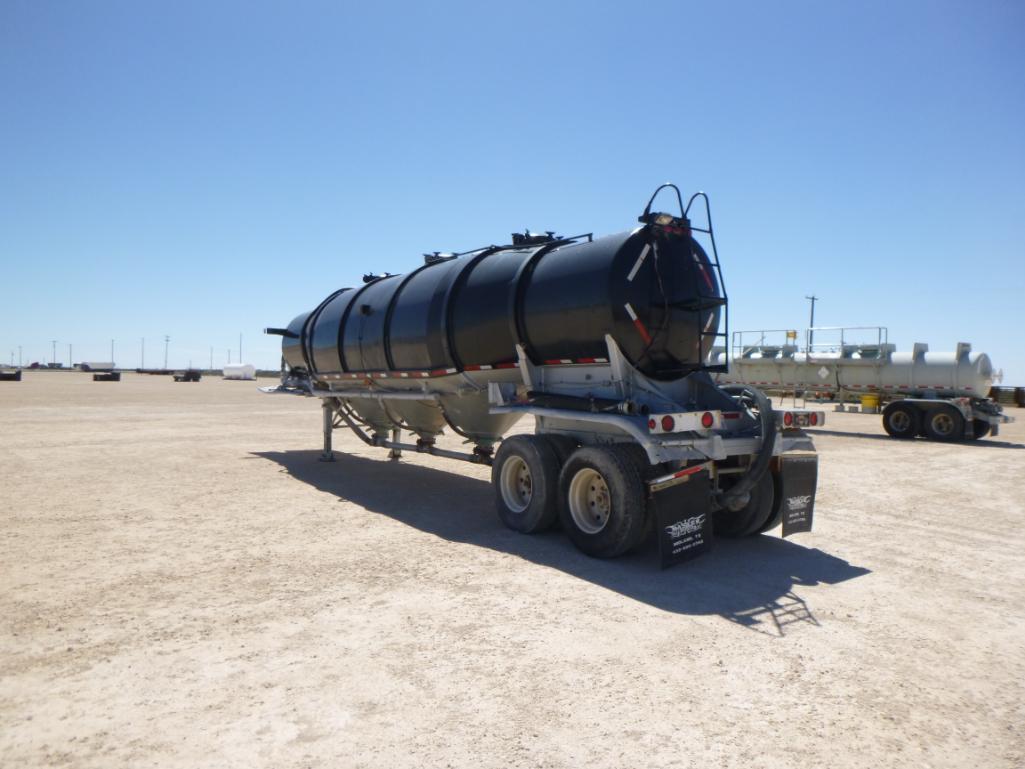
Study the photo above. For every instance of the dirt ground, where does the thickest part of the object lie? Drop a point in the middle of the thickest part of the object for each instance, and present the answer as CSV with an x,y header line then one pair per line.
x,y
183,584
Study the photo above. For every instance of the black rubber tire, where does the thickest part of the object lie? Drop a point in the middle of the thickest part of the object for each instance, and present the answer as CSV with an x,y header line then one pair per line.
x,y
624,527
902,420
753,516
980,429
562,445
776,514
944,423
542,465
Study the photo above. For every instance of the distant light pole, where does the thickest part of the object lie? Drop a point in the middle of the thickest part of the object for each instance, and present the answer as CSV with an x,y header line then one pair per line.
x,y
19,356
112,353
142,353
811,323
211,359
240,347
167,341
53,359
70,365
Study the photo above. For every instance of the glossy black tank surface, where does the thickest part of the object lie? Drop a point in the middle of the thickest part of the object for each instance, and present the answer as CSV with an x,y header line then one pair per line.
x,y
653,289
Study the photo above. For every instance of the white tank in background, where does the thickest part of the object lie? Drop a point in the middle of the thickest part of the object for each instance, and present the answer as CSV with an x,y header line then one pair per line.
x,y
240,371
933,384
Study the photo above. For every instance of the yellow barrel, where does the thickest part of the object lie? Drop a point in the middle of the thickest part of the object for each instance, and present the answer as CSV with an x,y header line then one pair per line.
x,y
870,401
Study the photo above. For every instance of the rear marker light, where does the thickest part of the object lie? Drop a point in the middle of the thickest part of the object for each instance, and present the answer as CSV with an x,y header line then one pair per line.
x,y
814,419
788,419
651,424
707,420
668,423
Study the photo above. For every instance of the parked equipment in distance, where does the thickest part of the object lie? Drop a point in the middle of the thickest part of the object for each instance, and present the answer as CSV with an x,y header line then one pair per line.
x,y
605,342
240,371
938,395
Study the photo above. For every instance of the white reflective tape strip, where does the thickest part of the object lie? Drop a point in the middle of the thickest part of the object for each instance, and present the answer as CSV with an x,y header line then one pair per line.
x,y
630,311
639,262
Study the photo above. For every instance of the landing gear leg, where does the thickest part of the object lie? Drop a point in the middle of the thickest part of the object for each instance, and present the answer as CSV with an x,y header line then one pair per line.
x,y
327,455
395,453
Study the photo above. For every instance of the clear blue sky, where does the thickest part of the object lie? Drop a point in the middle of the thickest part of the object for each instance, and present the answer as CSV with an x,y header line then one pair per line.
x,y
201,169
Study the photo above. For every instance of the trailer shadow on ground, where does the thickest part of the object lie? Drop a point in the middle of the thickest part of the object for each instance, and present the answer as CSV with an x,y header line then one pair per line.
x,y
751,582
981,443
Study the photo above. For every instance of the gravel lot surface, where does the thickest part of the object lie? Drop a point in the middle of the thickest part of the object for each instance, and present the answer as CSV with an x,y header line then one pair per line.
x,y
182,584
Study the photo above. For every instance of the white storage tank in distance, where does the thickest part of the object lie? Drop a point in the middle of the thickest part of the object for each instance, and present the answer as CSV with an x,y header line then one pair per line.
x,y
240,371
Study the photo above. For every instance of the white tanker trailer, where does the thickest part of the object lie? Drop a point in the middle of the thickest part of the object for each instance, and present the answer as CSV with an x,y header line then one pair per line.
x,y
938,395
605,342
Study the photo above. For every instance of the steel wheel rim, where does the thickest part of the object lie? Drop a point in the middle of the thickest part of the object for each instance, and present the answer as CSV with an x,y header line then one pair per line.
x,y
590,503
900,421
943,424
516,484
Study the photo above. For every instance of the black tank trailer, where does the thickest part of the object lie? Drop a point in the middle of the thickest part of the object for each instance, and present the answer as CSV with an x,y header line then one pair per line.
x,y
607,343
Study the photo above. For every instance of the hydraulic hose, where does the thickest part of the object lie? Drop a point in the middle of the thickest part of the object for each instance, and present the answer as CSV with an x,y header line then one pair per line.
x,y
760,464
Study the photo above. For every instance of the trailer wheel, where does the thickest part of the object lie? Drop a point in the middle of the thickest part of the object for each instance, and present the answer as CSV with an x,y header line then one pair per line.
x,y
752,518
980,429
901,420
602,501
944,423
525,475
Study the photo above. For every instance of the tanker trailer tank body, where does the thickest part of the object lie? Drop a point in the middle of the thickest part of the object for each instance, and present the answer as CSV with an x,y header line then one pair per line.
x,y
605,342
938,395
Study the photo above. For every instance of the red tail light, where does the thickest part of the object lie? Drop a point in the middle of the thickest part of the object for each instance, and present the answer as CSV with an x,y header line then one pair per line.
x,y
788,419
668,423
707,420
814,419
651,424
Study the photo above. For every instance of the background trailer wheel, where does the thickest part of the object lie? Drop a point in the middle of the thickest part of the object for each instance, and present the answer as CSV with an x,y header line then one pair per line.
x,y
525,475
602,501
980,429
901,420
944,423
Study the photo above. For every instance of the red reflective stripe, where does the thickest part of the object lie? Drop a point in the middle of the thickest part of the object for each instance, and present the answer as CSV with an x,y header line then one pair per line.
x,y
642,331
510,364
688,471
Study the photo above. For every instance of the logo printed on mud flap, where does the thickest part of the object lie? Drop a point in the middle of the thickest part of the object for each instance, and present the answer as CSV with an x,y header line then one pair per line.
x,y
688,526
799,502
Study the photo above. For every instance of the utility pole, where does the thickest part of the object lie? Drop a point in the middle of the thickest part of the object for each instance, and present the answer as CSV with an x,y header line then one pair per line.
x,y
53,359
167,341
811,323
70,365
142,352
211,360
19,356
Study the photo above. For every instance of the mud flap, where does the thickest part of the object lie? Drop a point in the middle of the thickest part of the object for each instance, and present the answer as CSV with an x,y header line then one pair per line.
x,y
799,477
683,517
